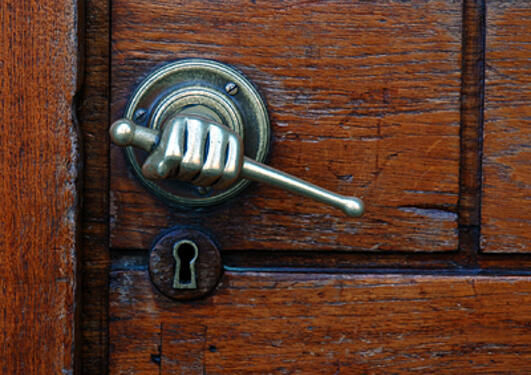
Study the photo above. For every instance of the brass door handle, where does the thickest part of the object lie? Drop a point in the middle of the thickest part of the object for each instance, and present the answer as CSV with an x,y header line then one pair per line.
x,y
198,150
195,117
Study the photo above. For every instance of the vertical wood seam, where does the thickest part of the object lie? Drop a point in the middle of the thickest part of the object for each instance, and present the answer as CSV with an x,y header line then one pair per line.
x,y
93,113
471,132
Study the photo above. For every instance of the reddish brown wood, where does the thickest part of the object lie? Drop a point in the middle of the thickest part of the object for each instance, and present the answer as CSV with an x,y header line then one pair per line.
x,y
506,209
94,119
259,323
184,348
38,192
363,98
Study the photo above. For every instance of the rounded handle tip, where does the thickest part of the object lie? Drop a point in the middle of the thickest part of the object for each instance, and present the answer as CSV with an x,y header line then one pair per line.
x,y
122,132
353,207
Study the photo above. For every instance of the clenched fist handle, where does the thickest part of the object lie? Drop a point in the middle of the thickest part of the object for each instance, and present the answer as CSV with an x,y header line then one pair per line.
x,y
197,150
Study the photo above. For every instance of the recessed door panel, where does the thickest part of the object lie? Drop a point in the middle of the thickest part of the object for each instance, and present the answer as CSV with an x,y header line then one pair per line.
x,y
363,99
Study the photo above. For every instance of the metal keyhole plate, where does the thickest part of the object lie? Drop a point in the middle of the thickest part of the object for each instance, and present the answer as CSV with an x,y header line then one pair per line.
x,y
191,250
203,87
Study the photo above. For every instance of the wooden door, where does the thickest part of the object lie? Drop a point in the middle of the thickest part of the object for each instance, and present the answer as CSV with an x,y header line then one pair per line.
x,y
419,107
381,100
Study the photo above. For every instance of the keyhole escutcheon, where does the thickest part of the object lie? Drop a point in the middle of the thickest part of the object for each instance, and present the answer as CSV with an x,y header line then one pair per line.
x,y
185,253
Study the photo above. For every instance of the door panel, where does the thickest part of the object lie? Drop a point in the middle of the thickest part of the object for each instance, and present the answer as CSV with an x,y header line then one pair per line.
x,y
284,323
363,99
506,209
39,196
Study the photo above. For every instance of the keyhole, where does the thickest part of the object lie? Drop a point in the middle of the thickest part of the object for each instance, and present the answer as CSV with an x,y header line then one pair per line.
x,y
185,253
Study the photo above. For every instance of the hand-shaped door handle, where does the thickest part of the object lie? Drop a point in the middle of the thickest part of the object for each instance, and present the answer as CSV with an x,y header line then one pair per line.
x,y
205,153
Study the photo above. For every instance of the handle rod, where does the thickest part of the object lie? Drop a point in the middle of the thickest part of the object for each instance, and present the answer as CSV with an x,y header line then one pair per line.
x,y
259,172
125,133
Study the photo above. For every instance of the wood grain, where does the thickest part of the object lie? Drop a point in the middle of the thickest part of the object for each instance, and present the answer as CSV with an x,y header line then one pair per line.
x,y
363,99
506,208
39,160
94,119
267,323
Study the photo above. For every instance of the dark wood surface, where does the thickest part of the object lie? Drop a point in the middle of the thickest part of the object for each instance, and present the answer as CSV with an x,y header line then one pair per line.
x,y
363,99
472,94
39,160
94,120
506,209
285,323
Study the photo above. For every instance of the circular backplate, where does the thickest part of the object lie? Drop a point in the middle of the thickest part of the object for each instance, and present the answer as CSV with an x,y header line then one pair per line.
x,y
213,88
208,265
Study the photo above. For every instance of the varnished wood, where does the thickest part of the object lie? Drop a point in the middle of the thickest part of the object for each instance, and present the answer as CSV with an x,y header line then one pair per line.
x,y
260,323
39,162
94,118
352,110
184,349
506,208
